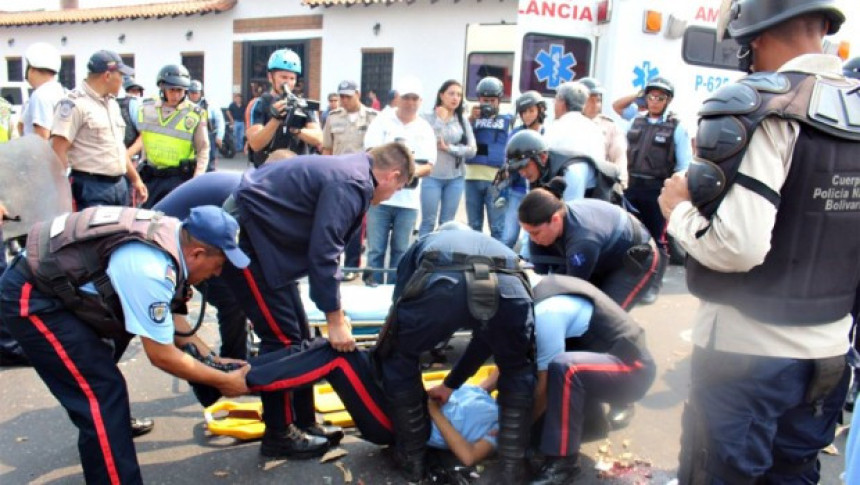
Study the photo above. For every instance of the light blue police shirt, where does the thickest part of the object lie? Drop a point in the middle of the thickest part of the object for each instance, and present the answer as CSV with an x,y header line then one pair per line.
x,y
557,318
473,413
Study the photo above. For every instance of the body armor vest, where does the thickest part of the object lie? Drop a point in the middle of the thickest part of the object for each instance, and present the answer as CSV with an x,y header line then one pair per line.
x,y
810,274
651,148
74,249
611,329
491,136
131,132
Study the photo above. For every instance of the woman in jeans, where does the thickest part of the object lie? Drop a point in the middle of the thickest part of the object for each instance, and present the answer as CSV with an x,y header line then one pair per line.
x,y
455,143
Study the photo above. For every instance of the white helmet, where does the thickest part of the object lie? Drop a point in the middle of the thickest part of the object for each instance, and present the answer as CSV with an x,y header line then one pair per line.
x,y
42,55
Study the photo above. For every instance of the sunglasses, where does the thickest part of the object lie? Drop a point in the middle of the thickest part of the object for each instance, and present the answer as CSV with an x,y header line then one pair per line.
x,y
656,97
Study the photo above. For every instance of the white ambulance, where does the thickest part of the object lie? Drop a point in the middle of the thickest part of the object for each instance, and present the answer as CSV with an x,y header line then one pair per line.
x,y
622,43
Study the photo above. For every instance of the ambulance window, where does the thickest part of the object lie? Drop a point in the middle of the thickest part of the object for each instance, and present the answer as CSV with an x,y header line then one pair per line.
x,y
483,64
549,59
702,49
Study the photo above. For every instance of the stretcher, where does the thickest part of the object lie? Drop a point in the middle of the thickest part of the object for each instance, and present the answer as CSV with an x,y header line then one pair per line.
x,y
244,420
365,306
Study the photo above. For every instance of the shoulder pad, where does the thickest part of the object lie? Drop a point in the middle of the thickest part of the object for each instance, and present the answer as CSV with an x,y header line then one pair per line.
x,y
770,82
720,137
734,99
835,108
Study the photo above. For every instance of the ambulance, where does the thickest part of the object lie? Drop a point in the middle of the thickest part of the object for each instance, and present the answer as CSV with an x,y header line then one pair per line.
x,y
622,43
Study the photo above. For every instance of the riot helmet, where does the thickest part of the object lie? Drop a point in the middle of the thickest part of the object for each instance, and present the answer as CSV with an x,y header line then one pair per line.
x,y
749,18
661,84
490,87
195,86
523,146
851,68
529,99
285,60
173,75
593,85
128,82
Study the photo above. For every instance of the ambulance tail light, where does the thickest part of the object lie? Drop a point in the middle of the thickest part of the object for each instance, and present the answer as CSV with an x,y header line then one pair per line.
x,y
652,22
844,50
604,11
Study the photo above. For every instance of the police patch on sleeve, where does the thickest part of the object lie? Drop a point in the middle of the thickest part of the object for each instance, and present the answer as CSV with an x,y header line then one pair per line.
x,y
577,259
64,110
158,312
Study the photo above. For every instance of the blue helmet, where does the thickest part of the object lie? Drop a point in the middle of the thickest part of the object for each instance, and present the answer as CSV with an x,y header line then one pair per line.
x,y
285,60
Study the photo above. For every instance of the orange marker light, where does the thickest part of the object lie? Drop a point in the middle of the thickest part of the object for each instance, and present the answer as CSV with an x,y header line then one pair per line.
x,y
653,22
844,51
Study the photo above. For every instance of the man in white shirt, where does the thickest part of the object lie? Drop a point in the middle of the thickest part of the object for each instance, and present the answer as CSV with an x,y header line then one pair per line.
x,y
43,64
395,218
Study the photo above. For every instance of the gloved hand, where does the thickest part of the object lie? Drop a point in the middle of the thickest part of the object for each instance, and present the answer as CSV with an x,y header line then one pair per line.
x,y
278,110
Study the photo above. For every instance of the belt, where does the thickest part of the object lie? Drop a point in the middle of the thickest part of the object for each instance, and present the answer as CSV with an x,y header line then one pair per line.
x,y
97,176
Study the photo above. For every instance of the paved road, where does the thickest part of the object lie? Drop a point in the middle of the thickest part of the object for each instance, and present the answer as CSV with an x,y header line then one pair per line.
x,y
37,441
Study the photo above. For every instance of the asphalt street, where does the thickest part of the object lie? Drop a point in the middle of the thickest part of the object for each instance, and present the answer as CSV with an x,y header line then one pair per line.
x,y
38,442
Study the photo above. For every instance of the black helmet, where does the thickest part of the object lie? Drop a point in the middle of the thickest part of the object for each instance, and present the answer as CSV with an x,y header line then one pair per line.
x,y
195,86
490,87
529,99
525,145
662,84
749,18
851,68
593,85
128,82
174,75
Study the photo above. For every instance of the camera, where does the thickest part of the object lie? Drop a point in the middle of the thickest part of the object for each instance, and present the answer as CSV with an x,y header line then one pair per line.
x,y
296,114
488,110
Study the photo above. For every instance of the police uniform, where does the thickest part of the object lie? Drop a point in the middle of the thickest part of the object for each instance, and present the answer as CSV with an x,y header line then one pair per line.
x,y
95,129
448,280
656,148
175,143
768,365
592,351
343,134
605,245
5,120
291,233
73,339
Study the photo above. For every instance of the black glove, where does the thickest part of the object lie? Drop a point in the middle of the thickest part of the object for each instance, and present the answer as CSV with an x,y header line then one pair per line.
x,y
276,112
191,350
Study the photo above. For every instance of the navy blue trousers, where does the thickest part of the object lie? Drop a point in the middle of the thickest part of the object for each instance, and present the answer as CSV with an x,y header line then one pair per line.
x,y
349,373
90,191
280,321
756,415
573,378
440,310
80,370
159,187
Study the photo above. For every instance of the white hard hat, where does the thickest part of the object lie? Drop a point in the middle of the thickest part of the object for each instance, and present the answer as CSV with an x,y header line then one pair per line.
x,y
43,56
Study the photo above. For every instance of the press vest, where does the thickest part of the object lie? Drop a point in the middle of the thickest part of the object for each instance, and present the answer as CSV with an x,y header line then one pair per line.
x,y
810,274
71,250
611,329
491,137
169,142
131,132
651,148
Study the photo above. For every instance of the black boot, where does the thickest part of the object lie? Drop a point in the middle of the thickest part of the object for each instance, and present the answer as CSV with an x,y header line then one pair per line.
x,y
515,416
141,426
292,443
412,430
620,415
558,470
331,433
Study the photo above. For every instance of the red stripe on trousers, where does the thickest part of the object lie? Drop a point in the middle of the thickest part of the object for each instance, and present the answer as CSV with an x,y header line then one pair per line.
x,y
654,262
565,400
318,373
101,432
267,314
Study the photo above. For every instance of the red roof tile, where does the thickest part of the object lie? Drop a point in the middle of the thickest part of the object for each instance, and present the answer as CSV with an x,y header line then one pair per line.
x,y
155,10
349,3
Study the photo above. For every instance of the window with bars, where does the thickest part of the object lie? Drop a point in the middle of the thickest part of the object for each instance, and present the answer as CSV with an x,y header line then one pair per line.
x,y
67,72
376,74
127,59
14,69
194,64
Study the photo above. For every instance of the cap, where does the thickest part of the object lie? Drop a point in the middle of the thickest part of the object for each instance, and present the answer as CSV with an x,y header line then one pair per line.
x,y
347,87
210,224
409,85
103,61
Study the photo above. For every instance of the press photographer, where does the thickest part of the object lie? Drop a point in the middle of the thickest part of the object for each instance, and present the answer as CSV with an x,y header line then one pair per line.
x,y
280,119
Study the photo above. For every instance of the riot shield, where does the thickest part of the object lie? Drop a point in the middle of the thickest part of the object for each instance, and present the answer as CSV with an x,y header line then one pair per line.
x,y
33,184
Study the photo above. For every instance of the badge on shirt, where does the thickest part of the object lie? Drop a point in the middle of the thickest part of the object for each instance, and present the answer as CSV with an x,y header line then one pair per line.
x,y
577,259
158,312
189,122
64,111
